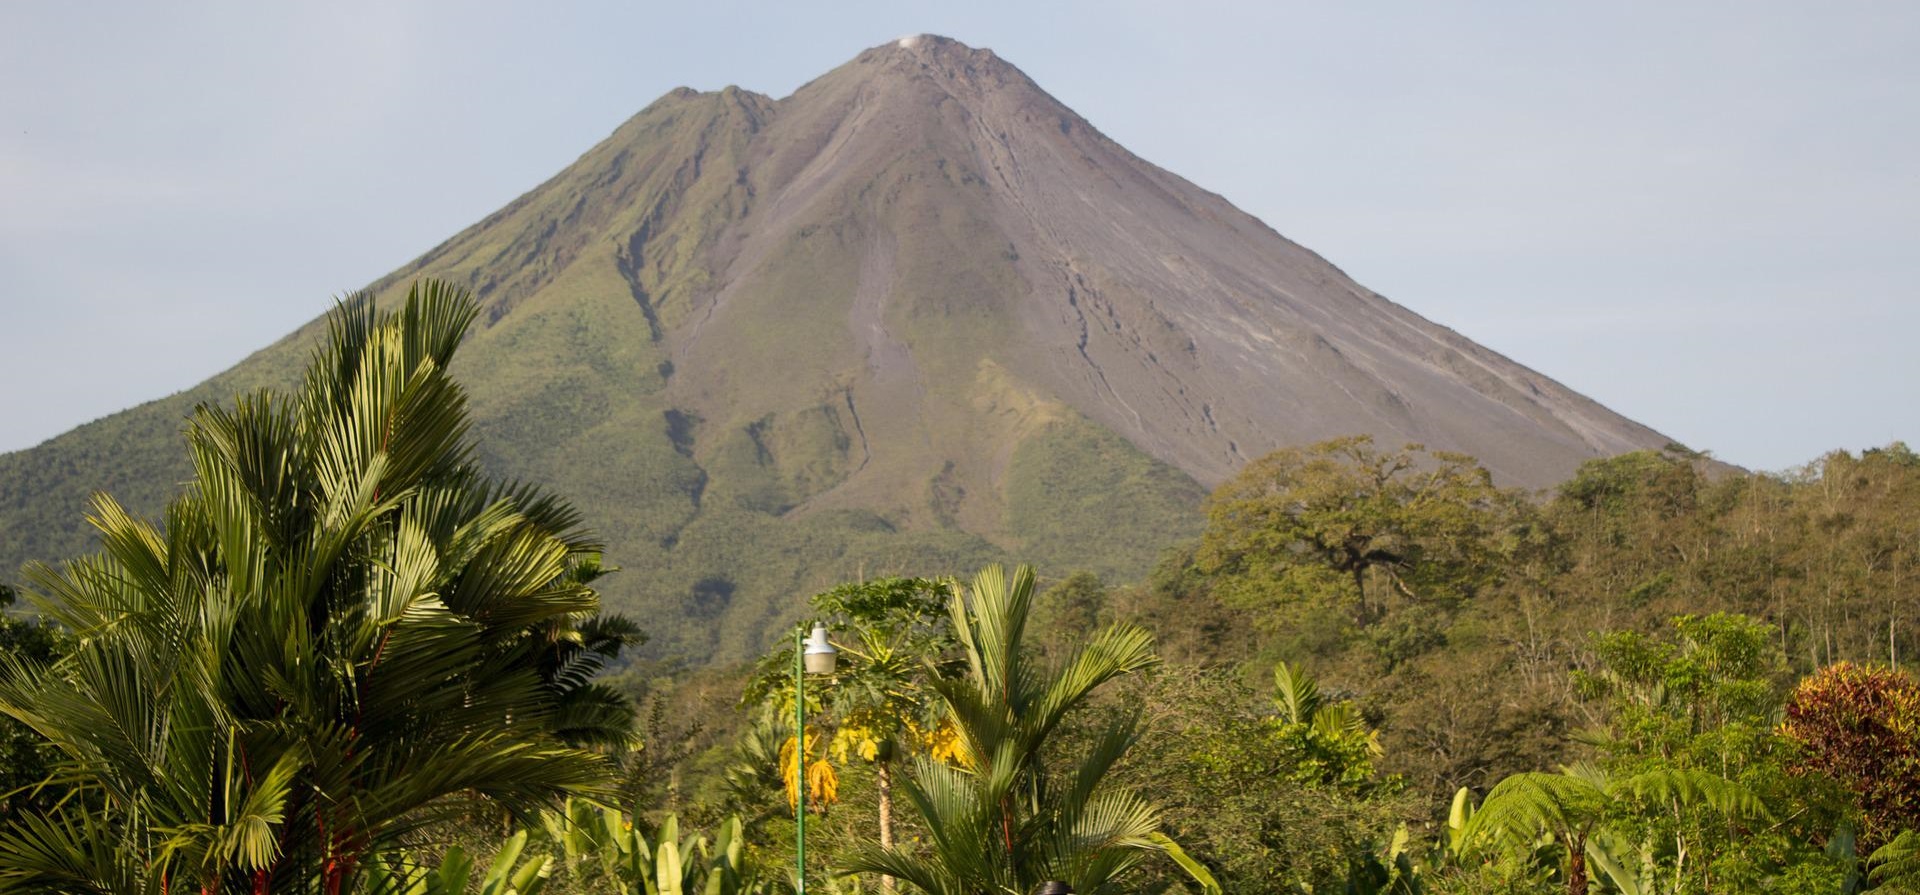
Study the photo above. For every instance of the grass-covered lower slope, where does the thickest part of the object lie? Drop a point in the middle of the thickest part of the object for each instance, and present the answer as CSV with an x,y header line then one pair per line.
x,y
44,490
722,526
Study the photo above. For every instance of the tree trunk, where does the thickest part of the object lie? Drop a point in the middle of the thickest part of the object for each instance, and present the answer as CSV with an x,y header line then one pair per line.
x,y
883,780
1577,869
1361,616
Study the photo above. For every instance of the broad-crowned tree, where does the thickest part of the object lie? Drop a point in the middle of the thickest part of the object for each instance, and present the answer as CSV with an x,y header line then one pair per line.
x,y
1345,523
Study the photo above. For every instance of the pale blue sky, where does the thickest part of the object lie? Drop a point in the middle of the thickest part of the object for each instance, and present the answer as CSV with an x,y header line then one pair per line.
x,y
1705,215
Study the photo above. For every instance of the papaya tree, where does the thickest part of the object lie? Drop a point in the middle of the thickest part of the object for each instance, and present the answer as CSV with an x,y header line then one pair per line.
x,y
894,638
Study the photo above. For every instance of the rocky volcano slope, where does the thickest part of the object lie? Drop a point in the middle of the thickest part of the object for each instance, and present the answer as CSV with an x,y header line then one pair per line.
x,y
915,316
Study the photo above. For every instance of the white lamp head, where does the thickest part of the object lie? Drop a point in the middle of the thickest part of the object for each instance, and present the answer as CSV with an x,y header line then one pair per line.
x,y
819,656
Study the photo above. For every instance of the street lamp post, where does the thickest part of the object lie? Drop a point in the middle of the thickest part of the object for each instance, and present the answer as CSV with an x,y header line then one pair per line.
x,y
814,655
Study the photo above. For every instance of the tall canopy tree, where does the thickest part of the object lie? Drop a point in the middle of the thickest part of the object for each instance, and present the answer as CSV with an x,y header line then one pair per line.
x,y
1346,523
340,634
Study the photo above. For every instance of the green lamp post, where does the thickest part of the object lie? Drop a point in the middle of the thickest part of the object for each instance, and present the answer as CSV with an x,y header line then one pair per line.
x,y
814,655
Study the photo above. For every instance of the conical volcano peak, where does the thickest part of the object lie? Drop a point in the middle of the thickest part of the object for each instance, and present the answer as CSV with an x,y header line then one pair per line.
x,y
943,59
926,45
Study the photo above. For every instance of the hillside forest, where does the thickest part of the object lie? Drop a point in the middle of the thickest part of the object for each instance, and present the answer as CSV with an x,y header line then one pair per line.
x,y
349,659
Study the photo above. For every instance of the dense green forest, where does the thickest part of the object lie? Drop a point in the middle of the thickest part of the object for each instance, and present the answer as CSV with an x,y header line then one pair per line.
x,y
345,659
1368,644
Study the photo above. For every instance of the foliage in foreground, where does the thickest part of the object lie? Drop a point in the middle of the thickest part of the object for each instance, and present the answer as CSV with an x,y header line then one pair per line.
x,y
341,635
1860,725
894,639
588,848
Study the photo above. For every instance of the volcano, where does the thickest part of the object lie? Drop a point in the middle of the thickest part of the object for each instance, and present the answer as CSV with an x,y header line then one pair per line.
x,y
917,316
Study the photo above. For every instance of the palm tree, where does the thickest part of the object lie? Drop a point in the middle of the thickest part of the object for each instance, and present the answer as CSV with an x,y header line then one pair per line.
x,y
1340,743
340,635
1008,815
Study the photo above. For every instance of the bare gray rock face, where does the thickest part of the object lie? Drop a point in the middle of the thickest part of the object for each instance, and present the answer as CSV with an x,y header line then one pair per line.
x,y
1144,302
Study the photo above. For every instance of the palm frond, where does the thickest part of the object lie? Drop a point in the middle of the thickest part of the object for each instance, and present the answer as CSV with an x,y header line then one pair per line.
x,y
1198,871
62,853
1119,650
1295,693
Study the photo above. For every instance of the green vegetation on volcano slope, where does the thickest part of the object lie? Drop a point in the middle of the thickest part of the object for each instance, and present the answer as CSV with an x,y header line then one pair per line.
x,y
1465,665
698,514
705,551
